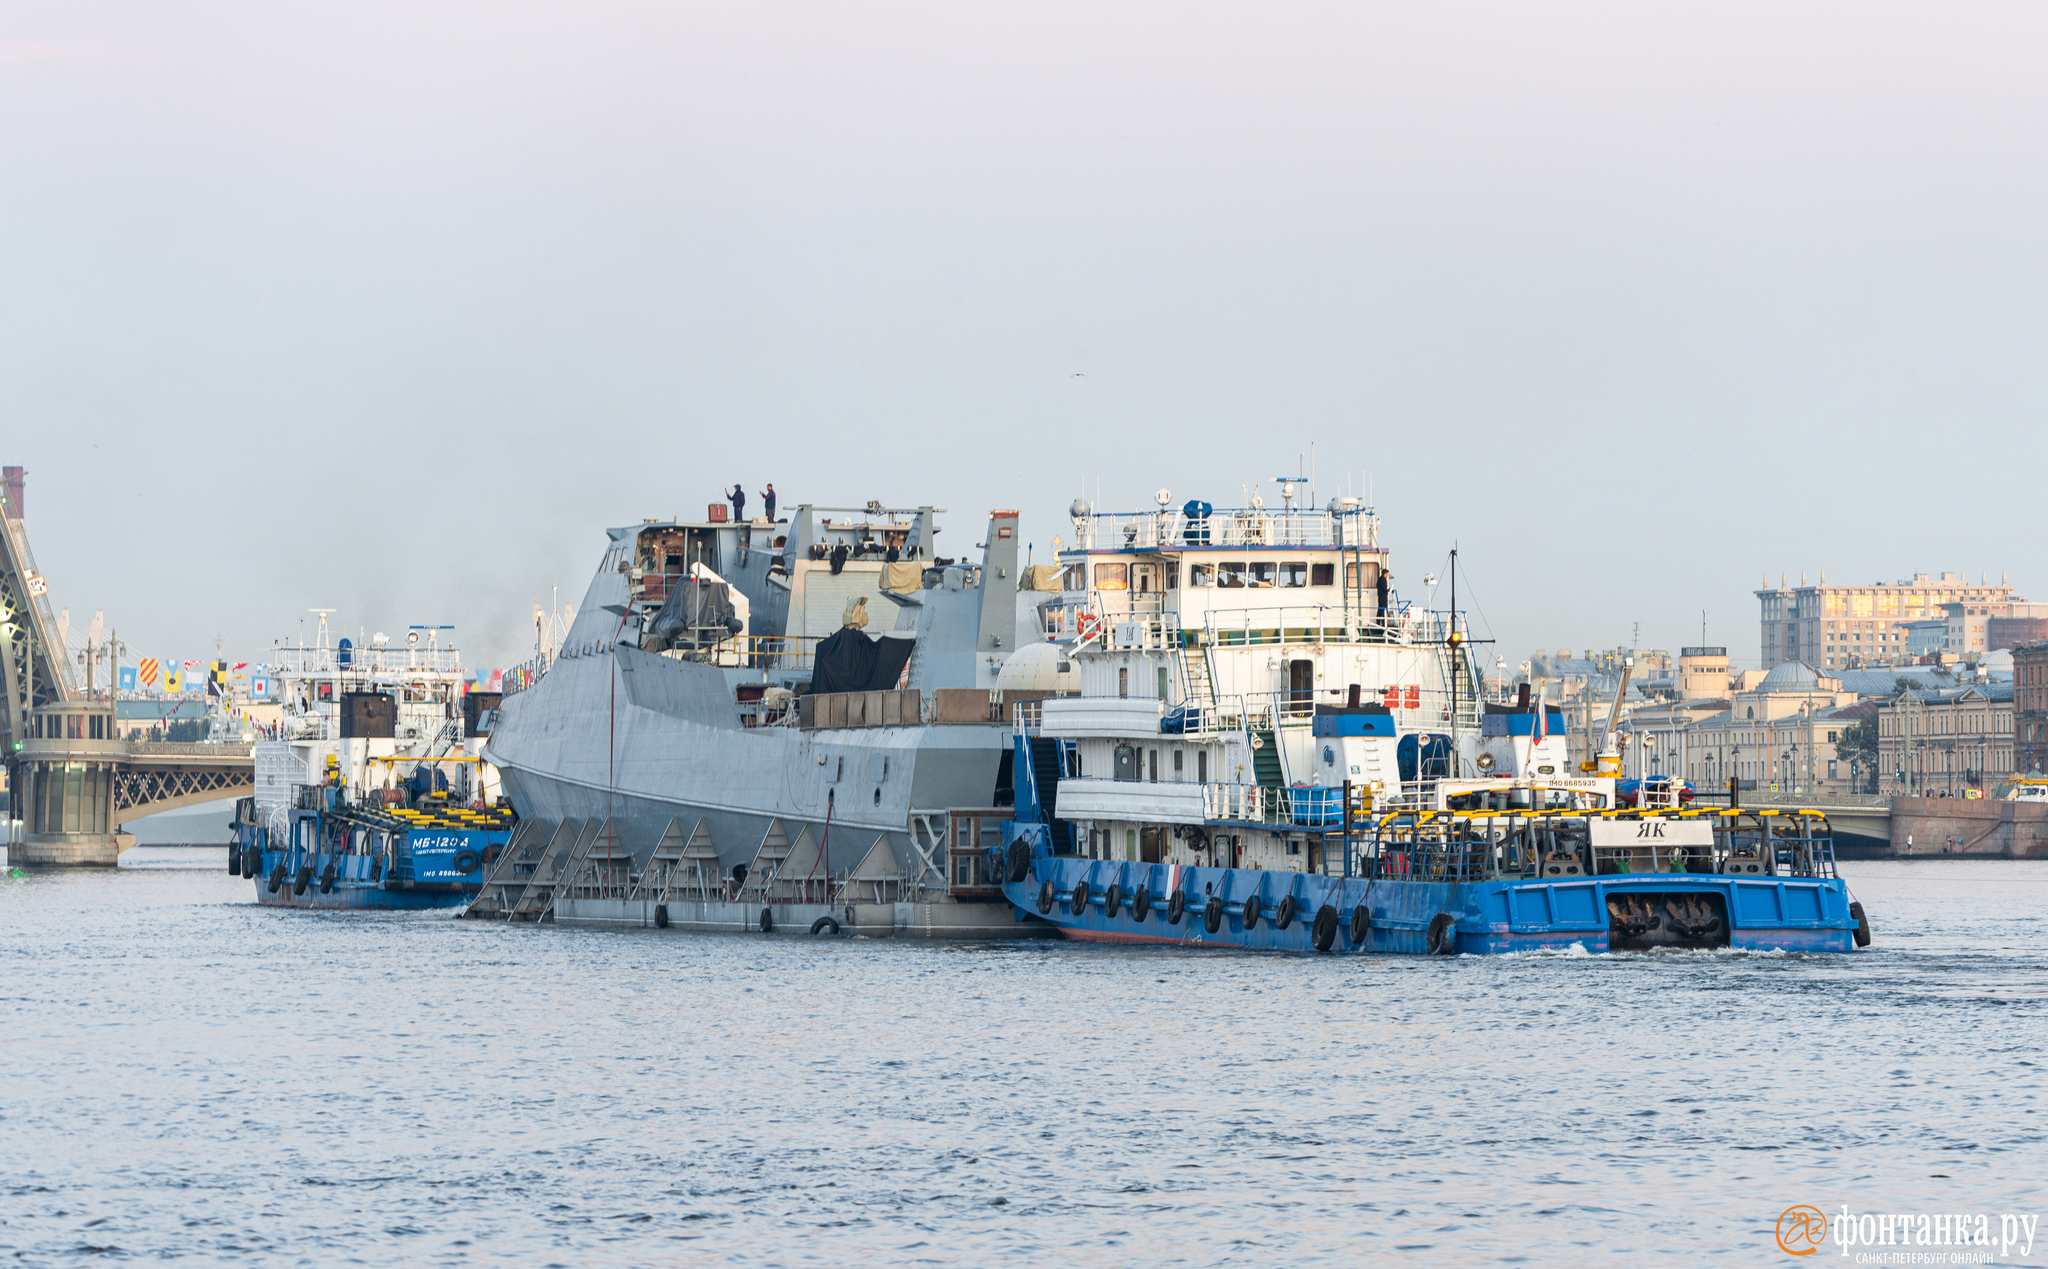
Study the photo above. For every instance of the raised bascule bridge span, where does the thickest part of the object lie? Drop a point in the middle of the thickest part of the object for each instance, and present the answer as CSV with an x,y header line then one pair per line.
x,y
72,783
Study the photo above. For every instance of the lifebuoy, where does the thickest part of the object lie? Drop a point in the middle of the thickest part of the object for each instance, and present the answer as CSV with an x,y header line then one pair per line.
x,y
1212,914
467,861
1443,934
1324,931
1361,922
1176,906
1079,903
1112,900
1252,907
327,878
1089,625
767,921
1045,897
825,925
661,916
1284,915
1141,903
304,879
1020,860
1862,934
277,878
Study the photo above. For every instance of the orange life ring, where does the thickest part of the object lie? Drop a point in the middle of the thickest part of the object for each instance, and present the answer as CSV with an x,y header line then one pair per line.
x,y
1088,625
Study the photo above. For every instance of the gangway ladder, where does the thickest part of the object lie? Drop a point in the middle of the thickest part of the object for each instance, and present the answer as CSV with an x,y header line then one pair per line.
x,y
1458,671
1197,690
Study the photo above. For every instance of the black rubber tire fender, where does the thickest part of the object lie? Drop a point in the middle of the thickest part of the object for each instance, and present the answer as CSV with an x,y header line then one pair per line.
x,y
235,861
767,921
1323,932
825,925
1141,902
1112,900
661,916
1361,923
1046,898
1284,915
1176,907
467,861
304,879
1078,905
327,878
1443,934
277,878
1212,914
252,863
1862,934
1020,861
1252,908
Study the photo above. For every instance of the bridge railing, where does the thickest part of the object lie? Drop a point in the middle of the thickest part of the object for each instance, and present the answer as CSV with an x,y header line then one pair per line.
x,y
179,749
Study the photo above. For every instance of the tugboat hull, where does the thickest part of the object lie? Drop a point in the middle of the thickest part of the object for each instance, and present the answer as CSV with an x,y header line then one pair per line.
x,y
1598,914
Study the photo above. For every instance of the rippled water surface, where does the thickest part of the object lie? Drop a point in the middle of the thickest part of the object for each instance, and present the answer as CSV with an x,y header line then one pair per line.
x,y
189,1077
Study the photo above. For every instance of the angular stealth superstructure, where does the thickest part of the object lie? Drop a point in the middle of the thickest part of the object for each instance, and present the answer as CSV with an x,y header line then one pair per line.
x,y
792,726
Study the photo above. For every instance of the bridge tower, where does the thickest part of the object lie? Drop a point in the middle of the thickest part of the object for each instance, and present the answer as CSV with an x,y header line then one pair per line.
x,y
62,746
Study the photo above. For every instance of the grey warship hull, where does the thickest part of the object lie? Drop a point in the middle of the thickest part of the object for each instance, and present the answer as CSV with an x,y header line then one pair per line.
x,y
694,779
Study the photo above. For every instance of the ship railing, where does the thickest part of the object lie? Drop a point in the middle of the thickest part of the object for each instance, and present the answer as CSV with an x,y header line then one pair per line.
x,y
1169,529
315,663
754,652
1318,623
1285,806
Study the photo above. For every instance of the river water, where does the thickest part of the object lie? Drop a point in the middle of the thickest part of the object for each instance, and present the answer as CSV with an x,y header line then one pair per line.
x,y
191,1078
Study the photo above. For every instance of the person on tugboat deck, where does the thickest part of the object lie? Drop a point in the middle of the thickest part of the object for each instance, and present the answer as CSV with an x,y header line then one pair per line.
x,y
739,503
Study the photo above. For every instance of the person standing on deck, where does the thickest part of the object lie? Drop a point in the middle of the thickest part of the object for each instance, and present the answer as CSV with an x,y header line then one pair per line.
x,y
768,501
739,503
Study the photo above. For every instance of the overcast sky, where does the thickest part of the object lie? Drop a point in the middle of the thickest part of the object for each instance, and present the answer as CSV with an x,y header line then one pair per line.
x,y
391,308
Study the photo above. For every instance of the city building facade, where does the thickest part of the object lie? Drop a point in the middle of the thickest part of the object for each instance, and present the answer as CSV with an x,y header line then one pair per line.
x,y
2030,708
1953,741
1777,735
1837,627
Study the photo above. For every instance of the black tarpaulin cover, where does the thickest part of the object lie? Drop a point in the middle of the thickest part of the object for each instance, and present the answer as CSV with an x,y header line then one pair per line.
x,y
849,661
693,604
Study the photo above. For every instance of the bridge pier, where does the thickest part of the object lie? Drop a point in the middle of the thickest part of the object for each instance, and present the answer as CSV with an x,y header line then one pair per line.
x,y
74,785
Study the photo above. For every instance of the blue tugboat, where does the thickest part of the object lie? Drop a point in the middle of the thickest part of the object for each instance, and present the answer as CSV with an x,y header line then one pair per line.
x,y
335,854
1269,749
373,793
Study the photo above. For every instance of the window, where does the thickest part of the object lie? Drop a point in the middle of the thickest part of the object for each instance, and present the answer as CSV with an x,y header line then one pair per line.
x,y
1160,686
1202,766
1263,573
1112,577
1075,578
1322,575
1202,575
1152,765
1294,573
1123,680
1177,754
1172,571
1362,576
1230,575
